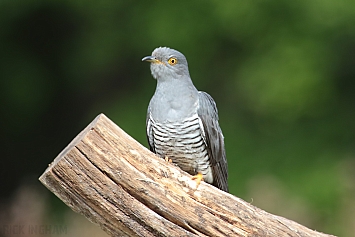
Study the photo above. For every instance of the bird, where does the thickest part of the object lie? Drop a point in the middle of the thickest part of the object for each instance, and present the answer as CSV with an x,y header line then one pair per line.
x,y
182,122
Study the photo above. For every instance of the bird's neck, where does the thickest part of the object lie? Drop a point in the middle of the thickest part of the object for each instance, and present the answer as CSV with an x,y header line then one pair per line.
x,y
178,88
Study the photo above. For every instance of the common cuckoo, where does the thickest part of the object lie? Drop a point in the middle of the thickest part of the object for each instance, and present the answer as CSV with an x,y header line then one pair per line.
x,y
182,122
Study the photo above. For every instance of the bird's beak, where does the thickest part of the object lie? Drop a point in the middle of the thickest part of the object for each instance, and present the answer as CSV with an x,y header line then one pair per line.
x,y
151,59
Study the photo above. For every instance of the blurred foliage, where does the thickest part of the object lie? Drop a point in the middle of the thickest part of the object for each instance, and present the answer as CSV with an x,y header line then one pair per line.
x,y
282,74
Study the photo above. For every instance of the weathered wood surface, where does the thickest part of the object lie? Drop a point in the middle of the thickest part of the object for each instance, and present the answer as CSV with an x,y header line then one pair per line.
x,y
117,183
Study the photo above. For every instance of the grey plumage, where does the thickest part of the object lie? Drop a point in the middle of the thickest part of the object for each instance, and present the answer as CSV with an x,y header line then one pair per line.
x,y
182,122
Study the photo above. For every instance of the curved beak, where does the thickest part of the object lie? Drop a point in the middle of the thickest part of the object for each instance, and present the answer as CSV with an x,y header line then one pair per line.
x,y
150,59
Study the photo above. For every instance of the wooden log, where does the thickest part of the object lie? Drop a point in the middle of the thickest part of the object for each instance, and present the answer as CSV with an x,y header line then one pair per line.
x,y
117,183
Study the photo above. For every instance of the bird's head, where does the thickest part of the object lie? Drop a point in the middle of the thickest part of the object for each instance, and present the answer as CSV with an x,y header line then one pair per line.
x,y
167,63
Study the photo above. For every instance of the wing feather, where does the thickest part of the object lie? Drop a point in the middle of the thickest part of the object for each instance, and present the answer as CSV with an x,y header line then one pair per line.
x,y
213,137
149,131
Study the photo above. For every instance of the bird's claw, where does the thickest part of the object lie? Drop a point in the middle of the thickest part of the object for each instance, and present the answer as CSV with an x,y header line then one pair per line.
x,y
167,159
198,178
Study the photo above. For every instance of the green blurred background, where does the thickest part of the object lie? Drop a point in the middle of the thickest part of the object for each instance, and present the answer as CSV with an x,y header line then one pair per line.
x,y
281,72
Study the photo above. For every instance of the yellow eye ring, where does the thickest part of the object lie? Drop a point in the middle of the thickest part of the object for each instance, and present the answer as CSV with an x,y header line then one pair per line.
x,y
172,61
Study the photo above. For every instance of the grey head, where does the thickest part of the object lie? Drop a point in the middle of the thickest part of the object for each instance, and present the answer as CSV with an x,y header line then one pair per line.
x,y
167,63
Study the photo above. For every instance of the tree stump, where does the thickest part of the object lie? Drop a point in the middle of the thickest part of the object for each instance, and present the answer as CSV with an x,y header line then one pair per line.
x,y
117,183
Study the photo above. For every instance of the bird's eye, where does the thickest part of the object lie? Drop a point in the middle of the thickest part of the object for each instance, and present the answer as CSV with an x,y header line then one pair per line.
x,y
172,61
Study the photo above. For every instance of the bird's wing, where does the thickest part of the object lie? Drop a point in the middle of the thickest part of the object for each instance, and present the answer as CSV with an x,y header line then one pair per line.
x,y
150,131
213,137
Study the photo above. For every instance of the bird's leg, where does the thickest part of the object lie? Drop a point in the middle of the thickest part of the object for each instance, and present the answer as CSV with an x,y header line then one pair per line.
x,y
198,178
167,159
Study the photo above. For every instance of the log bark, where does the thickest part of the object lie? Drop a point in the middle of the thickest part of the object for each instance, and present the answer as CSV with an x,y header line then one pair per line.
x,y
117,183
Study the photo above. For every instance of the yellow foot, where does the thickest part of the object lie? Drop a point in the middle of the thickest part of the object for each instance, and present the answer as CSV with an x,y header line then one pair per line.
x,y
198,178
167,159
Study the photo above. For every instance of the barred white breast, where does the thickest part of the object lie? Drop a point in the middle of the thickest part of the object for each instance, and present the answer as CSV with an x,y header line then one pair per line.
x,y
183,143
